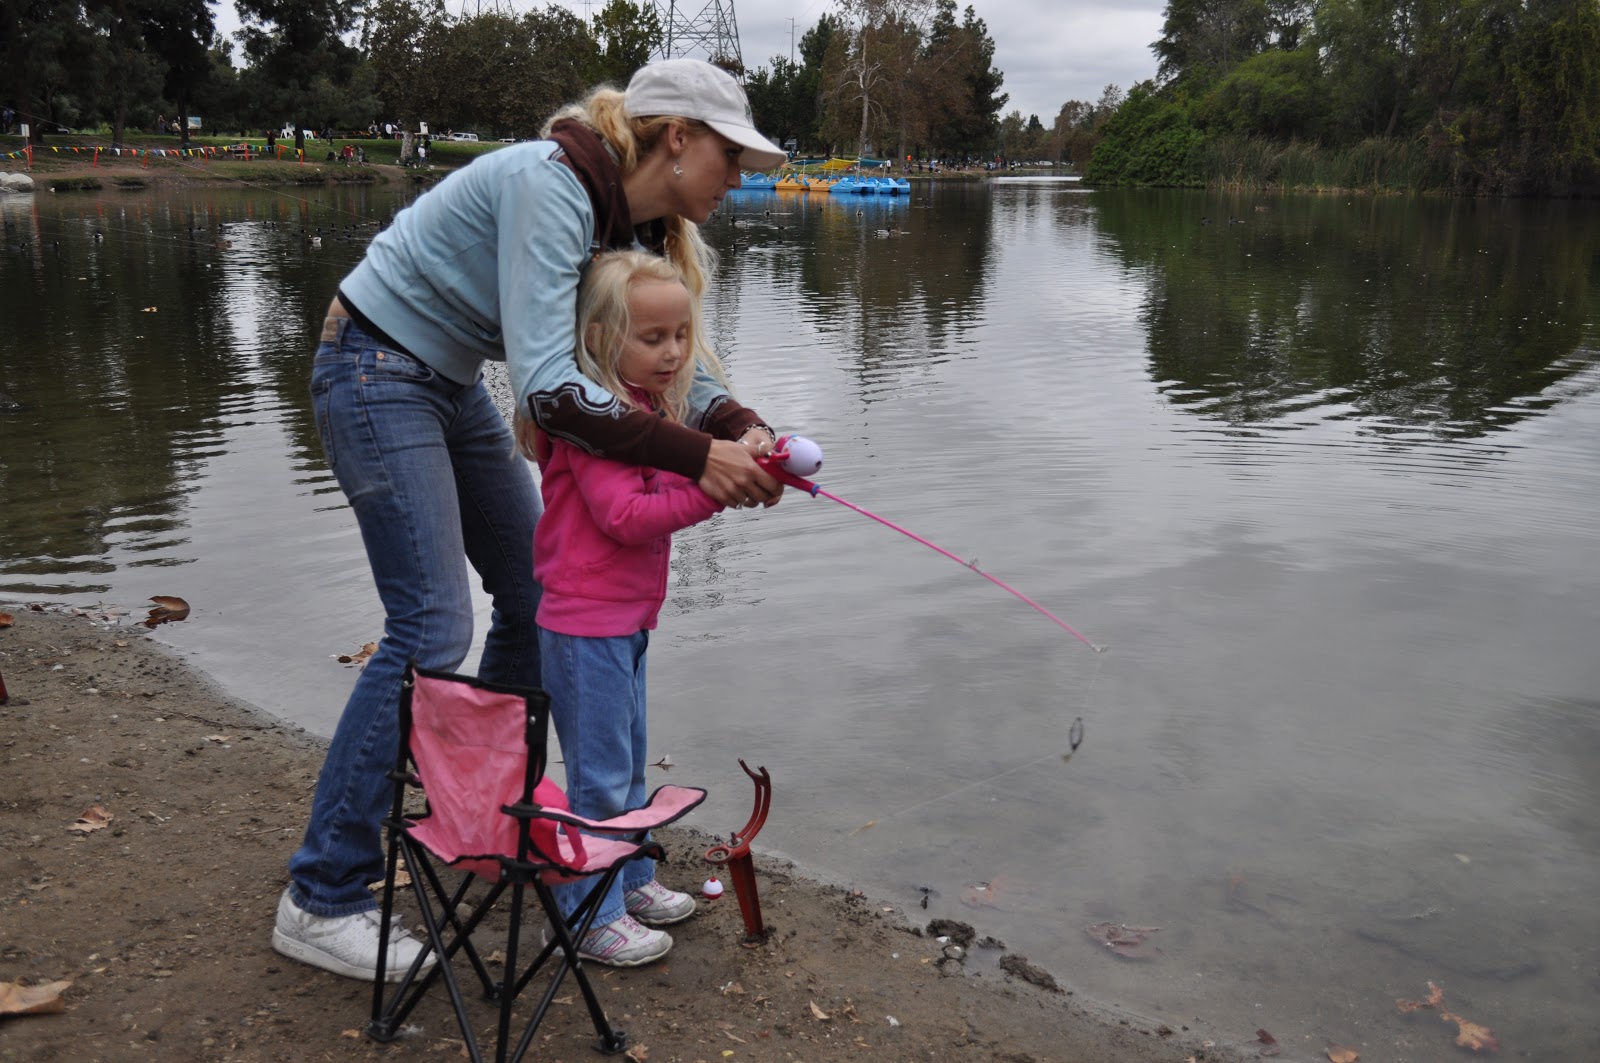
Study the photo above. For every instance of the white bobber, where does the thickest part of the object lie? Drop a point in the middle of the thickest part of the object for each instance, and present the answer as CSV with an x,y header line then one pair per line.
x,y
805,457
712,889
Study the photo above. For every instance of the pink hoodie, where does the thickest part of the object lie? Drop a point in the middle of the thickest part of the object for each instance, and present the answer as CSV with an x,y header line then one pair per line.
x,y
601,548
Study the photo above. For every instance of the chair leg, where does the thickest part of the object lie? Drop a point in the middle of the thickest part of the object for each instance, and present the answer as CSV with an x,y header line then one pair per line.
x,y
381,1028
611,1040
410,990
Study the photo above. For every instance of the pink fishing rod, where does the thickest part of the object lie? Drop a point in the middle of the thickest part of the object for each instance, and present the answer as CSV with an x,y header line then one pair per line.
x,y
795,458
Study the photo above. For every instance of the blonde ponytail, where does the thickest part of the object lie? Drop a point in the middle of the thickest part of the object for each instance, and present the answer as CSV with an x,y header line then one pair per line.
x,y
630,139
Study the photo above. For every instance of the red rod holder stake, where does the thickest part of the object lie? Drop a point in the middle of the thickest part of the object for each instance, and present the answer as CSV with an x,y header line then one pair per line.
x,y
735,856
4,697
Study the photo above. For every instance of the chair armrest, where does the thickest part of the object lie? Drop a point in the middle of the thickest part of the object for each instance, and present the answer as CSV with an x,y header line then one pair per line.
x,y
667,805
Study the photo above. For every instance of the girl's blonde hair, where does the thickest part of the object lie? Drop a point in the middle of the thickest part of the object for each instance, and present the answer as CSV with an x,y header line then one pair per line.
x,y
631,139
605,322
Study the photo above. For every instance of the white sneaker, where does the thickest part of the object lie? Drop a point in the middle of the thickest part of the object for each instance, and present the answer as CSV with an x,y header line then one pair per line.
x,y
346,945
622,943
656,905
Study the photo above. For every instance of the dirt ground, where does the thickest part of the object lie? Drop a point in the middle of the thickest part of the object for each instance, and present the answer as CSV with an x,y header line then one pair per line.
x,y
160,918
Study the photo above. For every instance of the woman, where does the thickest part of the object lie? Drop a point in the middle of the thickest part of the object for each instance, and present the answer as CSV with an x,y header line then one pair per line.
x,y
486,266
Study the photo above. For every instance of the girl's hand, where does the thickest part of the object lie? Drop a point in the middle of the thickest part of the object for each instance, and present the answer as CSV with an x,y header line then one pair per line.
x,y
732,476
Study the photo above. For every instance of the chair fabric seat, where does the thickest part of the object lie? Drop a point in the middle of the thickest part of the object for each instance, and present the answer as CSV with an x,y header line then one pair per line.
x,y
478,752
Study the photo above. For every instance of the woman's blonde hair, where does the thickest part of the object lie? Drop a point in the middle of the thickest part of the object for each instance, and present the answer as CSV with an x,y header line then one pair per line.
x,y
605,322
631,139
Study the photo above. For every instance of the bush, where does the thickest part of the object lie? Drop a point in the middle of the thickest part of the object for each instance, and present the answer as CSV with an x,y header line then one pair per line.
x,y
72,184
1150,140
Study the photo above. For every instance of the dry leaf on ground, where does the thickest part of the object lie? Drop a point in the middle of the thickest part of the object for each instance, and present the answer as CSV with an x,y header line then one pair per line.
x,y
1269,1044
359,657
93,818
17,999
818,1013
167,609
1341,1054
6,620
1129,942
638,1053
1469,1034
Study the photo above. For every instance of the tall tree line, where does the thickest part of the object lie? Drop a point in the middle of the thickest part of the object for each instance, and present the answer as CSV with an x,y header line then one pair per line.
x,y
308,64
1478,96
888,77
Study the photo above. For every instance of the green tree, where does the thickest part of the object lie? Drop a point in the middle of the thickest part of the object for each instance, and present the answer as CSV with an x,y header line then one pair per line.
x,y
1373,51
404,41
228,106
814,44
627,35
958,88
1273,94
42,48
1201,40
1150,140
301,59
179,33
1555,81
118,69
777,101
866,66
508,74
563,56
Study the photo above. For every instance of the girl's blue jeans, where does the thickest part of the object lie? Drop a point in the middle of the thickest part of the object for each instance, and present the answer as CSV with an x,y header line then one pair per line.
x,y
596,688
430,470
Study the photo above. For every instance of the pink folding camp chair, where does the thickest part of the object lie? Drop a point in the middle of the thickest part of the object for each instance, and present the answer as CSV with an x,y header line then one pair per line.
x,y
477,751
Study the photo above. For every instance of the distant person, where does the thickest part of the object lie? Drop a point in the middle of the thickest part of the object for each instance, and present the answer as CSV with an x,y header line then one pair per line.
x,y
486,267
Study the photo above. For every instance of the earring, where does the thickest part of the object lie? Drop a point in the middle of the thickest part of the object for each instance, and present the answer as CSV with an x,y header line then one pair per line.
x,y
677,171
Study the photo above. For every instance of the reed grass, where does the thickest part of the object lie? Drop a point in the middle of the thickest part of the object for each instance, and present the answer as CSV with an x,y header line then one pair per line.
x,y
1376,165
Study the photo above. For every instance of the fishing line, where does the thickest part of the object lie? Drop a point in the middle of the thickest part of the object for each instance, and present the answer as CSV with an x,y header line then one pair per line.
x,y
795,457
792,460
1074,740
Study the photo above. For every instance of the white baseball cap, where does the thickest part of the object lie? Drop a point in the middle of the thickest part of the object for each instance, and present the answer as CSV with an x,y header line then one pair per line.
x,y
693,88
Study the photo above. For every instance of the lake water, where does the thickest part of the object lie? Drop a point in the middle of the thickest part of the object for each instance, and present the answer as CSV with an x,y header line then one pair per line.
x,y
1321,474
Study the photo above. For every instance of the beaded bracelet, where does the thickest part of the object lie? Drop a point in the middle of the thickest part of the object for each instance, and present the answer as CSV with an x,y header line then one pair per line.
x,y
771,435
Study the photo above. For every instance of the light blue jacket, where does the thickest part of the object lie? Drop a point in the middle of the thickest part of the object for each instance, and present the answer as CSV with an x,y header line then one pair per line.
x,y
486,265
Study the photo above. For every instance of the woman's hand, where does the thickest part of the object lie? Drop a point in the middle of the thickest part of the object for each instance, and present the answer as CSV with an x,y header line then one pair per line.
x,y
732,476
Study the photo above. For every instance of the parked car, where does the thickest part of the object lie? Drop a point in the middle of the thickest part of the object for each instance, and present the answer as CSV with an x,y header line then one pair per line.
x,y
52,129
465,136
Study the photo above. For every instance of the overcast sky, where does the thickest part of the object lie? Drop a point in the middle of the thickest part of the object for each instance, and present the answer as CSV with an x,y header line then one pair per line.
x,y
1050,51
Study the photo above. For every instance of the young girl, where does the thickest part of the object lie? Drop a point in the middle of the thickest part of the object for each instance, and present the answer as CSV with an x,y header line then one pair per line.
x,y
600,552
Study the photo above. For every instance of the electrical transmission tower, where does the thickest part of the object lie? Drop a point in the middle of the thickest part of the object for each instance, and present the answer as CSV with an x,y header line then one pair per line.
x,y
712,35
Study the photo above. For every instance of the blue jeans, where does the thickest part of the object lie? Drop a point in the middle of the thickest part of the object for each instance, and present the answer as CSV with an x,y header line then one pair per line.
x,y
596,688
431,473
